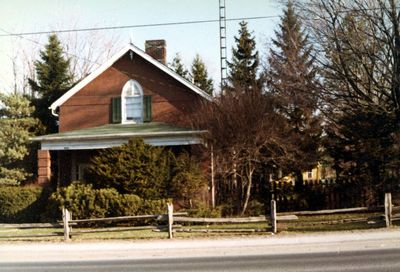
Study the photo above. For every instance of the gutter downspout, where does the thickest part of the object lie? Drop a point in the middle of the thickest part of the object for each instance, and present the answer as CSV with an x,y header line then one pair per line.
x,y
53,112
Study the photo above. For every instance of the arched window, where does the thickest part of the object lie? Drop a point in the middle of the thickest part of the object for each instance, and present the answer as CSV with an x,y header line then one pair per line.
x,y
132,102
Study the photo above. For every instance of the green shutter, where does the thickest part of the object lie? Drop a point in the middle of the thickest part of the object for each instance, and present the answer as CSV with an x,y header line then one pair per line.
x,y
116,109
147,108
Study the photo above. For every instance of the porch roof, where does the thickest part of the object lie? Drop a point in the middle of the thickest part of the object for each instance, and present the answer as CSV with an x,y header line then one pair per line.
x,y
159,134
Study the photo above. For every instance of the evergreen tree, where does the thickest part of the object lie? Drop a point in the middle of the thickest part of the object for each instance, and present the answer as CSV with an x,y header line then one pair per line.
x,y
134,168
200,76
188,179
16,126
245,61
53,80
291,77
178,67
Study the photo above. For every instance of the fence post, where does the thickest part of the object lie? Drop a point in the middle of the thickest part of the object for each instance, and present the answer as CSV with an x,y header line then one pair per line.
x,y
70,226
66,219
170,219
388,209
273,217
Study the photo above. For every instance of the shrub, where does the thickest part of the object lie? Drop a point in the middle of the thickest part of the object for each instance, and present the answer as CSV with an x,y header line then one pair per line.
x,y
188,180
21,204
205,211
153,206
84,201
129,205
255,208
134,168
80,200
229,208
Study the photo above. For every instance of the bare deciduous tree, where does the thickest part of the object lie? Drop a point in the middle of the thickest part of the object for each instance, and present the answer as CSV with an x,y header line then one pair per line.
x,y
359,45
86,50
89,50
359,42
245,132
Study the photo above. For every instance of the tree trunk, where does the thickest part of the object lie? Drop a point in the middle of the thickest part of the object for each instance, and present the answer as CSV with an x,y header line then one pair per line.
x,y
239,195
212,178
248,191
234,181
237,190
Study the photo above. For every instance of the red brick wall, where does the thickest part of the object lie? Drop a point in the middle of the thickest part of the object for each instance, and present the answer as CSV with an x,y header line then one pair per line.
x,y
172,101
44,167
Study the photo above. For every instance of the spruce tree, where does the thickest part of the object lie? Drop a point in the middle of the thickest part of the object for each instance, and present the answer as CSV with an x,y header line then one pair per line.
x,y
292,78
188,180
178,67
16,126
133,168
52,81
245,61
200,76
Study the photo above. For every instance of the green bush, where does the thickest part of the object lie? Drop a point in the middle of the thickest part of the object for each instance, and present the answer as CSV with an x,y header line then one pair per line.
x,y
188,180
153,206
22,204
228,209
205,211
83,201
129,205
133,168
149,172
255,208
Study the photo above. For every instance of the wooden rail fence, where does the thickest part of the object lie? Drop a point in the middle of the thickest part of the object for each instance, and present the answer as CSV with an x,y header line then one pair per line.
x,y
391,213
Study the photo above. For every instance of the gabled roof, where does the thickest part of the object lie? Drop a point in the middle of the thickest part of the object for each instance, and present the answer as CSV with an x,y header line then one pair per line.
x,y
114,59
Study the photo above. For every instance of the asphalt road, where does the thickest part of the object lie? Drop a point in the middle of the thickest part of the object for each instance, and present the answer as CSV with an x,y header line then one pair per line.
x,y
366,260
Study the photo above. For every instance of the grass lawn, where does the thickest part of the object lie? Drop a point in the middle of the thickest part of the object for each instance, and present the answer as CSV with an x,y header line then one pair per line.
x,y
305,224
8,234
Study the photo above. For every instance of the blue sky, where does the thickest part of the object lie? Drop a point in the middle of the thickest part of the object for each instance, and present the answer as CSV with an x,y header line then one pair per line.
x,y
39,15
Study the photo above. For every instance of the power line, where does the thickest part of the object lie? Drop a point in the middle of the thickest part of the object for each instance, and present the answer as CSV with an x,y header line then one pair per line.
x,y
164,24
41,44
137,26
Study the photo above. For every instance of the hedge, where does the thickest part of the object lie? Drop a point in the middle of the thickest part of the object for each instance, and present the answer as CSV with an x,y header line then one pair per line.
x,y
34,204
22,204
83,201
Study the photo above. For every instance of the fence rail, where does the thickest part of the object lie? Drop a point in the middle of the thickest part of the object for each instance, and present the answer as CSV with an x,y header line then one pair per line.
x,y
31,226
221,220
335,211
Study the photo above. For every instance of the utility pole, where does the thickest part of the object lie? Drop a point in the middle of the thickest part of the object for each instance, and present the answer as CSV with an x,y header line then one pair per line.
x,y
222,42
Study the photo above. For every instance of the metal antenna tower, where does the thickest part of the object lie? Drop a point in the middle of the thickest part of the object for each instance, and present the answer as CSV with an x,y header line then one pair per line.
x,y
222,42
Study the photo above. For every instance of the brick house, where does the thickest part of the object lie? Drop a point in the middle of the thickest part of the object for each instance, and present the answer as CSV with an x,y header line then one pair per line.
x,y
134,94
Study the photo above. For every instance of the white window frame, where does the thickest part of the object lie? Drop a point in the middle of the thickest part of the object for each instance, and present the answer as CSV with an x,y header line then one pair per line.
x,y
131,84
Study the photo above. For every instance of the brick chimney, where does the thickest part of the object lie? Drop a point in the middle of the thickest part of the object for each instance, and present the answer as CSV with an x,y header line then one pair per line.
x,y
157,50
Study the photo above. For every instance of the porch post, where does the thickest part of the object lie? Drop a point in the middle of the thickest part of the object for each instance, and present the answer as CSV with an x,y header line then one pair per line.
x,y
44,167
